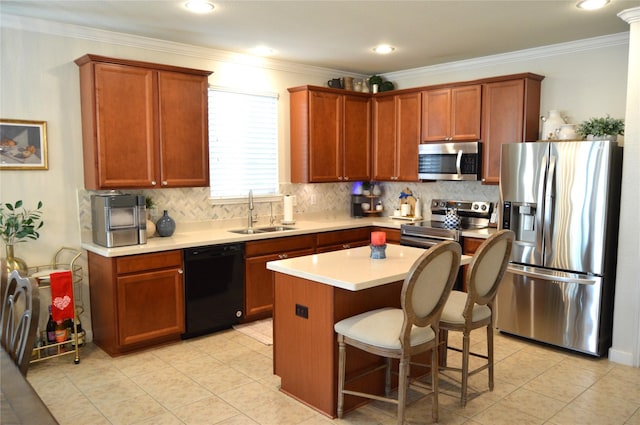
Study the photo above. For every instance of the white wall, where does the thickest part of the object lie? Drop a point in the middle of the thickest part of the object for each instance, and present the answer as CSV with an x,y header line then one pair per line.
x,y
39,81
626,319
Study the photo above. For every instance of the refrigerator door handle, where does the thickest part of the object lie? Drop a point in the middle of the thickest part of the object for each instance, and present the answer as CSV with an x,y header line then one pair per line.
x,y
540,207
557,276
548,207
459,162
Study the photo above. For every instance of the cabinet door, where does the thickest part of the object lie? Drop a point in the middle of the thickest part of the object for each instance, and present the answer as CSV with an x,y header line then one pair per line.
x,y
325,129
466,112
408,116
384,138
436,115
125,128
259,284
150,306
503,106
356,156
184,134
451,114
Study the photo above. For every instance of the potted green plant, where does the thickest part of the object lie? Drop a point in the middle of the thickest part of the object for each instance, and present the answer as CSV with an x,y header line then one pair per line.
x,y
17,224
375,82
603,127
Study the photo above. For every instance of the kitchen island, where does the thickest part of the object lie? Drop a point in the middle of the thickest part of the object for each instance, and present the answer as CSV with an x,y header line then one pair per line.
x,y
314,292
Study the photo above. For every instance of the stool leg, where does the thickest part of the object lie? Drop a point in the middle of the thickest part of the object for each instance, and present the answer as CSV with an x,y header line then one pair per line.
x,y
465,367
435,386
387,378
342,359
490,355
402,388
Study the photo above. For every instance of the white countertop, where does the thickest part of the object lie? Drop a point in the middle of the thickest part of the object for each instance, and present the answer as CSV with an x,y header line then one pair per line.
x,y
353,269
216,232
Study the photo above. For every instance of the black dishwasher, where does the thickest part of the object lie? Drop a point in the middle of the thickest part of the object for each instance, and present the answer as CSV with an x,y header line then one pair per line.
x,y
214,288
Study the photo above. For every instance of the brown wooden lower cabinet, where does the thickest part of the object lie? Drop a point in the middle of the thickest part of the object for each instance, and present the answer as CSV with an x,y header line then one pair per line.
x,y
259,280
469,247
343,239
136,300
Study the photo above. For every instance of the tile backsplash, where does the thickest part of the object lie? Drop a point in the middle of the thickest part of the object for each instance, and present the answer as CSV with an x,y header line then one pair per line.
x,y
192,204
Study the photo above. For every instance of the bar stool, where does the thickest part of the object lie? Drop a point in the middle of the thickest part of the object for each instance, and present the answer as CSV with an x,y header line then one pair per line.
x,y
399,333
466,311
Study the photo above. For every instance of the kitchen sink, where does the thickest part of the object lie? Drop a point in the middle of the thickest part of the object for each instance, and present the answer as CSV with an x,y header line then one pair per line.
x,y
258,230
246,231
275,228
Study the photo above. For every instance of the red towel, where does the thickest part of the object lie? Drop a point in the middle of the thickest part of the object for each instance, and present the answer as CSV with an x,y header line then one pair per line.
x,y
61,296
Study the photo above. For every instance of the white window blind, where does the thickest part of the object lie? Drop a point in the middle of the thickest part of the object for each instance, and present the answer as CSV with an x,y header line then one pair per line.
x,y
243,143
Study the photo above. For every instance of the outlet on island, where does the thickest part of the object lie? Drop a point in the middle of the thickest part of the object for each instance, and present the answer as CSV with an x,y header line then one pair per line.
x,y
302,311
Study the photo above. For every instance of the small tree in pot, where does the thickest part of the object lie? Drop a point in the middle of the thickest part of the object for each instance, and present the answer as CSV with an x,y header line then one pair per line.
x,y
17,224
604,127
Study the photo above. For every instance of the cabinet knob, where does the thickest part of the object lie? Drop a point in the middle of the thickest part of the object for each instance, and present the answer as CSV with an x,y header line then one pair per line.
x,y
164,182
180,271
346,246
346,178
153,182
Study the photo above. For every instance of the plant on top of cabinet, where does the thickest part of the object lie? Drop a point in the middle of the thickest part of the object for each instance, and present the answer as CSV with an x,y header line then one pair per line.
x,y
144,125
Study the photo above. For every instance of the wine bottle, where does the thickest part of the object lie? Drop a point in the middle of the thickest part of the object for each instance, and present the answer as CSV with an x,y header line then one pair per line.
x,y
51,329
61,331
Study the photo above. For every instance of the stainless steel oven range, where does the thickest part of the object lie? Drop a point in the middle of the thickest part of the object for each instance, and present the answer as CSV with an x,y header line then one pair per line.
x,y
425,234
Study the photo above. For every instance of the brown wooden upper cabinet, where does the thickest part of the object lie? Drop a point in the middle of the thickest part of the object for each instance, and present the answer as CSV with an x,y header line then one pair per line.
x,y
330,135
451,114
510,114
396,136
144,125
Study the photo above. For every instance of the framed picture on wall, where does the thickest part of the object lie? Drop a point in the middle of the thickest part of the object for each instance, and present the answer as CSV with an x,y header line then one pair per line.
x,y
23,145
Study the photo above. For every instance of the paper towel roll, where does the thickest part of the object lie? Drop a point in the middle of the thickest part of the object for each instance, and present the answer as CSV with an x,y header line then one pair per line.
x,y
288,209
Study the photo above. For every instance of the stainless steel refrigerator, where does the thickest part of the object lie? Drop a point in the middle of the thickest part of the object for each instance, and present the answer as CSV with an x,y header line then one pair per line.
x,y
562,201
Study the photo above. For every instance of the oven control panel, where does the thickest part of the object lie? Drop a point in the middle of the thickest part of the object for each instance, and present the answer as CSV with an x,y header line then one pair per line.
x,y
482,209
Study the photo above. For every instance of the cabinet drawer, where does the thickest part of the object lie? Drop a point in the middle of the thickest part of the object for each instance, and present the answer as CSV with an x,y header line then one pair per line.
x,y
471,245
344,236
276,245
145,262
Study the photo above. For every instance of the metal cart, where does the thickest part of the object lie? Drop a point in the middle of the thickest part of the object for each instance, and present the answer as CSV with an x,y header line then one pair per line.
x,y
64,259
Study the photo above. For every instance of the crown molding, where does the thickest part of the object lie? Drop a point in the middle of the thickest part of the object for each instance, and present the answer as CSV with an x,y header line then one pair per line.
x,y
630,15
517,56
122,39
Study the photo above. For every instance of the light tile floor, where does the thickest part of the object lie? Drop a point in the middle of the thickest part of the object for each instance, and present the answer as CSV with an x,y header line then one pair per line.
x,y
226,378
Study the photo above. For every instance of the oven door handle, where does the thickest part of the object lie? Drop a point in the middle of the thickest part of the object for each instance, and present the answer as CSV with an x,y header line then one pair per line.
x,y
419,242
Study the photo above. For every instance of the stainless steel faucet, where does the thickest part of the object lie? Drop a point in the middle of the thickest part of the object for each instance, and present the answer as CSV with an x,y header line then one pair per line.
x,y
250,220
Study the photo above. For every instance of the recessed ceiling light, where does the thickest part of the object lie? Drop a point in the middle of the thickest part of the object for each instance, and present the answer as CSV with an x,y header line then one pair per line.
x,y
383,49
199,6
591,4
263,51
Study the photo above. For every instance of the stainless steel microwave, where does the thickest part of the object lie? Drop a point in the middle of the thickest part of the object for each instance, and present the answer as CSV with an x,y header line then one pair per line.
x,y
449,161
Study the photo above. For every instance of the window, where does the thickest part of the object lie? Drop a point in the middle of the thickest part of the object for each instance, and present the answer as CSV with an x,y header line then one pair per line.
x,y
243,143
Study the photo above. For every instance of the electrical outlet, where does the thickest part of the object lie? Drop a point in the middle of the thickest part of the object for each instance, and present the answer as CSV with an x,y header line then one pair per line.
x,y
302,311
313,199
